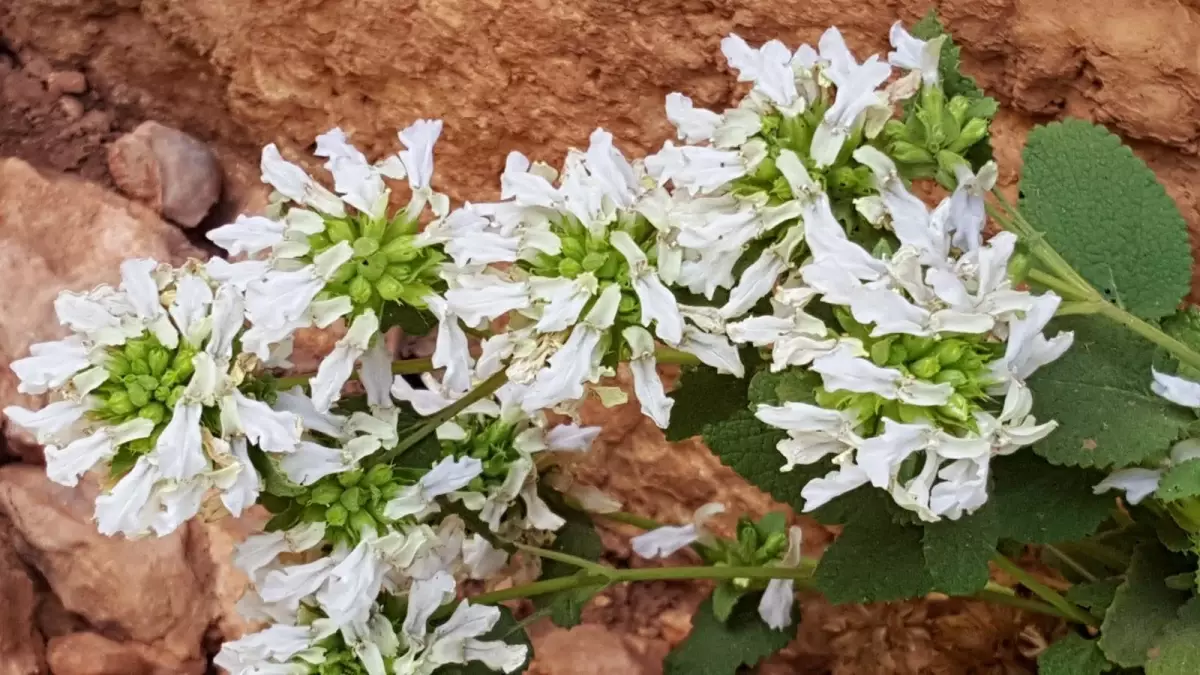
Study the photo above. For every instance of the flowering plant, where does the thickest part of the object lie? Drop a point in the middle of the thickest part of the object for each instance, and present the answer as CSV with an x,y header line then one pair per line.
x,y
946,396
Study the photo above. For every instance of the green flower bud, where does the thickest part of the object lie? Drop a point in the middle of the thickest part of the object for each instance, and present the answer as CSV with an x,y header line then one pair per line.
x,y
972,132
169,379
388,288
775,545
795,133
573,248
843,177
926,367
344,273
158,359
958,107
339,231
147,382
176,394
117,365
628,304
138,396
933,99
476,485
350,478
365,247
400,250
182,363
897,355
947,160
313,513
747,535
361,520
360,290
336,515
894,130
1018,267
954,378
569,268
325,493
881,351
401,226
918,346
374,229
154,411
414,294
949,352
352,499
957,408
497,433
120,404
379,475
136,350
139,367
907,153
495,467
319,241
390,491
766,170
911,414
594,261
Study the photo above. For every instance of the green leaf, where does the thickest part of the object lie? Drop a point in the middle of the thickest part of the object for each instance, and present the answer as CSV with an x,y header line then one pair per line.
x,y
507,629
1143,607
793,384
874,560
957,551
1039,503
747,446
579,538
954,82
1180,481
274,481
1103,209
1178,652
1184,326
704,396
411,320
1095,595
1073,655
1099,391
716,648
725,597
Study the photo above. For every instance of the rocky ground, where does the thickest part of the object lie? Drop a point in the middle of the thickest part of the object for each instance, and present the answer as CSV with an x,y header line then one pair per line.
x,y
128,128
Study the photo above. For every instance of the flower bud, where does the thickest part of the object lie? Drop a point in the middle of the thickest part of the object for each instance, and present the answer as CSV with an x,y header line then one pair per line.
x,y
949,351
1018,267
138,396
336,515
496,467
843,177
388,288
374,229
594,261
776,544
176,394
139,367
117,365
766,170
147,382
926,367
933,99
361,520
958,107
911,414
747,535
325,493
319,241
952,377
628,304
401,226
168,379
154,411
894,130
907,153
119,404
313,513
391,490
573,248
360,290
350,478
352,499
158,359
957,408
918,346
339,231
380,475
972,132
897,355
881,351
365,247
182,363
400,250
136,350
569,267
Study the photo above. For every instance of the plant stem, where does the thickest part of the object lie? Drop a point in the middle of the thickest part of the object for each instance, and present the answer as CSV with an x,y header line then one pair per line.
x,y
1152,333
669,355
576,561
631,519
1051,596
481,391
1070,562
408,367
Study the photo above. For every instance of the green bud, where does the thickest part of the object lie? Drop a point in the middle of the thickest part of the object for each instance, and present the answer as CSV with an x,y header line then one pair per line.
x,y
169,379
374,229
117,365
775,544
379,475
388,288
176,394
1018,267
918,346
747,534
339,231
120,404
947,160
360,520
926,367
897,355
795,133
957,408
352,499
569,268
136,350
138,396
391,490
766,170
400,250
401,226
843,177
364,247
154,411
360,290
496,467
594,261
611,267
325,493
182,363
628,304
881,351
319,241
894,130
907,153
139,367
596,245
573,248
958,107
949,352
497,433
336,515
911,414
972,132
954,378
350,478
313,513
147,382
158,359
933,99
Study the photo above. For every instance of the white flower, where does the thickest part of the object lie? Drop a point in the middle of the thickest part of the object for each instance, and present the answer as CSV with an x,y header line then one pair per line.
x,y
666,540
335,368
1177,390
140,282
564,299
881,456
768,67
65,465
646,383
292,182
813,432
525,186
856,92
578,359
1027,348
775,606
759,279
484,296
457,641
271,430
795,337
360,183
1137,483
695,125
47,423
913,54
282,299
267,651
657,302
445,477
354,582
261,550
962,490
704,336
699,169
967,206
50,364
296,402
122,509
842,370
248,235
820,491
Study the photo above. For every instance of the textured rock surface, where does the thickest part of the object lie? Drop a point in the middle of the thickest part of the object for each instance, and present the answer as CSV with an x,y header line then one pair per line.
x,y
168,170
20,641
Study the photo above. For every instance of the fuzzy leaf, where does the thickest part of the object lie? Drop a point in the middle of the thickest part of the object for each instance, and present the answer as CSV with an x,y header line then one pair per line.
x,y
1039,503
874,560
579,538
1180,482
957,551
507,629
1094,595
704,396
1073,655
1103,209
1099,391
793,384
716,648
747,446
1143,607
1184,326
1178,652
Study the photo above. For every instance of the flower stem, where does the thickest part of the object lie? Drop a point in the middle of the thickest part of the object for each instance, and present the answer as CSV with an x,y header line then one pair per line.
x,y
670,355
481,391
631,519
1051,596
405,367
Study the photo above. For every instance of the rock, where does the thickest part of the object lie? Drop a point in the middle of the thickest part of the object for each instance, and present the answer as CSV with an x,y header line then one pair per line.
x,y
71,107
175,174
152,591
92,654
588,649
35,64
21,645
59,232
67,82
97,121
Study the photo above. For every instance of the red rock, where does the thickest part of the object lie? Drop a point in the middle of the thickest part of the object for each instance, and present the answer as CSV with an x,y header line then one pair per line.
x,y
71,107
173,173
21,645
93,654
588,649
67,82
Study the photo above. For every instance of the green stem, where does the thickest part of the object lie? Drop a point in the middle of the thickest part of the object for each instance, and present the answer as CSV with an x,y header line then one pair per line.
x,y
1057,285
1152,333
631,519
1067,560
669,355
1051,596
576,561
481,391
405,367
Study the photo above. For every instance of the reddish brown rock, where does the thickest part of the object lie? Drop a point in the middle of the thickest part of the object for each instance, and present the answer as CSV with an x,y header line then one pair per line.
x,y
152,591
175,174
21,645
92,654
588,649
66,82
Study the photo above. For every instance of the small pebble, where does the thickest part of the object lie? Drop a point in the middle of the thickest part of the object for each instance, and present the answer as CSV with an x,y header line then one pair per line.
x,y
71,107
6,64
35,65
67,82
96,120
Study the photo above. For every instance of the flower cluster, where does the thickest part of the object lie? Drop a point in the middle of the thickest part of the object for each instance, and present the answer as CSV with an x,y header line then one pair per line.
x,y
784,225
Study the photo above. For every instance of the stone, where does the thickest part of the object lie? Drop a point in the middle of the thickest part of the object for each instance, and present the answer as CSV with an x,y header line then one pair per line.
x,y
588,649
172,172
21,645
154,591
67,82
56,233
71,107
89,653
